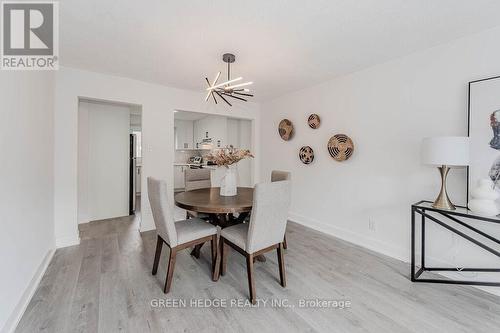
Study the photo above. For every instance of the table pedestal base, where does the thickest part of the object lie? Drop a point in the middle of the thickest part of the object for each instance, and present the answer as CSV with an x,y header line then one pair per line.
x,y
224,221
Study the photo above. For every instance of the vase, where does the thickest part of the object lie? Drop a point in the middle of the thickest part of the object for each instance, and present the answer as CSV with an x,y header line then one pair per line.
x,y
228,186
483,199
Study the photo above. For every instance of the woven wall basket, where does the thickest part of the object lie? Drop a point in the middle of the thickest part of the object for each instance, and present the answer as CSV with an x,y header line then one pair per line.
x,y
285,129
313,121
340,147
306,155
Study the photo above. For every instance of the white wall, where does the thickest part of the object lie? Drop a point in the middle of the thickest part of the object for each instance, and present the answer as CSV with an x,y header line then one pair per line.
x,y
135,121
233,136
387,110
103,154
246,166
239,135
158,103
26,199
83,164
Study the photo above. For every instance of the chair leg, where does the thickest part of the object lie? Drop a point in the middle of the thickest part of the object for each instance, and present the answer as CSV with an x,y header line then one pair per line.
x,y
197,250
251,282
213,247
281,263
159,245
285,245
170,270
224,249
215,259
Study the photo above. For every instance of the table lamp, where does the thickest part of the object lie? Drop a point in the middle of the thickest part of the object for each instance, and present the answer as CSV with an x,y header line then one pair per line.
x,y
445,152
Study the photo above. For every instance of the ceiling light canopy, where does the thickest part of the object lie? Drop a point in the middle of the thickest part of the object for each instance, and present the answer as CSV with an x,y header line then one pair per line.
x,y
228,88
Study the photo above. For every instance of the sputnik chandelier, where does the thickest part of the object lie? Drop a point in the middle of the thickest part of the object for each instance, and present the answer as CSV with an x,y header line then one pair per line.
x,y
230,88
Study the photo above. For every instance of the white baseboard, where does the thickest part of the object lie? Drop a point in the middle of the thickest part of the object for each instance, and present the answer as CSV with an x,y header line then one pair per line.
x,y
21,306
352,237
67,241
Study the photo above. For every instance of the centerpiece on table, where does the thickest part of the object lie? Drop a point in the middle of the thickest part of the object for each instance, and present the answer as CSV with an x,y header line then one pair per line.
x,y
228,158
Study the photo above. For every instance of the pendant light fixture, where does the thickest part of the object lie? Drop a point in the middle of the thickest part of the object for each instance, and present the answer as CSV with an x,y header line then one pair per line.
x,y
231,88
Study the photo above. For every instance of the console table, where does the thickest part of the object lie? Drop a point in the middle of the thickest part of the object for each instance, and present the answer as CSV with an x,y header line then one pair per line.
x,y
449,219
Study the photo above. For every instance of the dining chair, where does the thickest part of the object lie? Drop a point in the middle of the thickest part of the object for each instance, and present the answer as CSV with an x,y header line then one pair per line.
x,y
276,176
195,179
264,233
176,235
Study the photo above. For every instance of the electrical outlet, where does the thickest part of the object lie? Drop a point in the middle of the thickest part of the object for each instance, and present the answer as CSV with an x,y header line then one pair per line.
x,y
371,224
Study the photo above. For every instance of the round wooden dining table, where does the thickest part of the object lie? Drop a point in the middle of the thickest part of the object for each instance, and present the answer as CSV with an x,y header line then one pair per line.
x,y
220,209
209,201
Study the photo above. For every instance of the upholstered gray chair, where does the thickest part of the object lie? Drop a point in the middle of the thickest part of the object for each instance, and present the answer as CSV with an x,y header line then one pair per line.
x,y
195,179
277,176
265,231
177,235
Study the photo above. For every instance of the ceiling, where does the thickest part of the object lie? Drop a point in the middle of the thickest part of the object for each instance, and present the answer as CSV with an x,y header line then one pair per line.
x,y
188,115
281,45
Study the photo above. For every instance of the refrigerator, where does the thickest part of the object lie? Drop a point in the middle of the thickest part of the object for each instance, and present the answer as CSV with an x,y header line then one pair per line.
x,y
133,174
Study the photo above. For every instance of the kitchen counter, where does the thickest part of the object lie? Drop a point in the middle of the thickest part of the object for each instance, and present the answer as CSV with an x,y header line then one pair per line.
x,y
201,166
180,168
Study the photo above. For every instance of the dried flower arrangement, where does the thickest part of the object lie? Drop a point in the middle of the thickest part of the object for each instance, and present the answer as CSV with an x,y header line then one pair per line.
x,y
228,156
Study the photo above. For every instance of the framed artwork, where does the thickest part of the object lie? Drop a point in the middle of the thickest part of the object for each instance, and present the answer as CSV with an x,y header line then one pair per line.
x,y
484,131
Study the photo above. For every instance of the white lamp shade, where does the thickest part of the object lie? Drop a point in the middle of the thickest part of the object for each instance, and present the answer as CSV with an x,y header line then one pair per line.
x,y
446,150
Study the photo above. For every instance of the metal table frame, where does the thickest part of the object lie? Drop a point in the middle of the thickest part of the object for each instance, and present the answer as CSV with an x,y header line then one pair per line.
x,y
453,216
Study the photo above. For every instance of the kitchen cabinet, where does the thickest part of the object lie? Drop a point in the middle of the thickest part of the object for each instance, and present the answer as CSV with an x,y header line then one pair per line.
x,y
215,127
179,177
183,134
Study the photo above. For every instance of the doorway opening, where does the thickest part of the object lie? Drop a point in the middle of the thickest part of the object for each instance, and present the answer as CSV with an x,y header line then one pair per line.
x,y
109,159
135,171
198,134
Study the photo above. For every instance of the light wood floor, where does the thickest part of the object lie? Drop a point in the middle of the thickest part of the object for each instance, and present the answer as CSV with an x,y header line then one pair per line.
x,y
105,285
